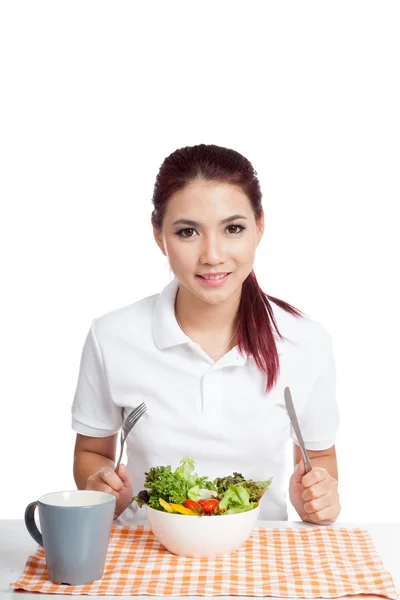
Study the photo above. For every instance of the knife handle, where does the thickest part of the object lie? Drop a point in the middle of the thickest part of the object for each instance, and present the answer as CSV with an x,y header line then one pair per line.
x,y
307,461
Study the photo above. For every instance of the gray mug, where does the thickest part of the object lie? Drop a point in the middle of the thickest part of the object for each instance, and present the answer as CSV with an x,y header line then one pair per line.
x,y
76,527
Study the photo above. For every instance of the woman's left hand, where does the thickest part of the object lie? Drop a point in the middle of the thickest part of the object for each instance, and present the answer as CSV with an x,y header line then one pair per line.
x,y
314,495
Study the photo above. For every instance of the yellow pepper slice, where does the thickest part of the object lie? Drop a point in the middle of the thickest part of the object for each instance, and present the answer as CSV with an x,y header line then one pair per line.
x,y
183,510
166,505
176,508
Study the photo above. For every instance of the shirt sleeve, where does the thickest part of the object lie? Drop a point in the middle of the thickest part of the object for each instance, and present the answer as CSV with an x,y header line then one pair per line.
x,y
93,411
319,417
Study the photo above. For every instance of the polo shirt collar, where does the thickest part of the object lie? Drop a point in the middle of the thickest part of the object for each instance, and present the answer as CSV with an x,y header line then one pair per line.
x,y
167,332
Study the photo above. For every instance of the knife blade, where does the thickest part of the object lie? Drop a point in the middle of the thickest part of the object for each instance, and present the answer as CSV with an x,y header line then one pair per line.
x,y
296,427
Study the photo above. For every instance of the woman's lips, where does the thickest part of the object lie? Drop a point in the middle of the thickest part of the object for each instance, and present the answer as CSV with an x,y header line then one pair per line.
x,y
213,281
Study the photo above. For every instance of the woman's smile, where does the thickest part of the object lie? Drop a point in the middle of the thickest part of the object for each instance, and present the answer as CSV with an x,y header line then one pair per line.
x,y
213,279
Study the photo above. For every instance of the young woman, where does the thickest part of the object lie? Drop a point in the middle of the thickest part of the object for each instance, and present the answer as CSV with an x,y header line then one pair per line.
x,y
210,355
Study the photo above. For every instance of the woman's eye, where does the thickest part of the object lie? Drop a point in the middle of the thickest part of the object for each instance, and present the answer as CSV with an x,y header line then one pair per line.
x,y
235,228
186,233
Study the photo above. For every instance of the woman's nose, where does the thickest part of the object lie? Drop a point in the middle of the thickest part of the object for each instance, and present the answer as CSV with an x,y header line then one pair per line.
x,y
212,251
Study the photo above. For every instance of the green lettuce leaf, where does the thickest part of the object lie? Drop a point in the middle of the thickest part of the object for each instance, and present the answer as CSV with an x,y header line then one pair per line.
x,y
236,496
186,471
163,483
196,492
255,488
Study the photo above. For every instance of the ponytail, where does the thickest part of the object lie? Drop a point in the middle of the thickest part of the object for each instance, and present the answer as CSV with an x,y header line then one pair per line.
x,y
256,323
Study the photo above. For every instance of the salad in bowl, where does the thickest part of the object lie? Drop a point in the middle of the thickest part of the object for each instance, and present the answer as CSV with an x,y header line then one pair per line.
x,y
231,501
183,492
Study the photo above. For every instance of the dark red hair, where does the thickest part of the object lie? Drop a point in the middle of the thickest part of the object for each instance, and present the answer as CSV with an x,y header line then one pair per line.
x,y
215,163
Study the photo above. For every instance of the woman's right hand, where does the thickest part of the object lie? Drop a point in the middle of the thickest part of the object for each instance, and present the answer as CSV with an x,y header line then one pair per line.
x,y
119,484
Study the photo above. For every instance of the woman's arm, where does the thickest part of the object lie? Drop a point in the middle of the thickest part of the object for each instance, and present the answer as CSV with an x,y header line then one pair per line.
x,y
92,454
94,469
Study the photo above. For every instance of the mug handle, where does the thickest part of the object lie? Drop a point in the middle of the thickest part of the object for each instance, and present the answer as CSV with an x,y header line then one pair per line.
x,y
31,525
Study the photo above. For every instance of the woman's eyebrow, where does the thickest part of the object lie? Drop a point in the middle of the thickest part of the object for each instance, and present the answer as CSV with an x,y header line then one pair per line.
x,y
196,223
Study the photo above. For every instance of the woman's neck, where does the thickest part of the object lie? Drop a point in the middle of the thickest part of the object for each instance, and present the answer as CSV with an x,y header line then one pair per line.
x,y
196,316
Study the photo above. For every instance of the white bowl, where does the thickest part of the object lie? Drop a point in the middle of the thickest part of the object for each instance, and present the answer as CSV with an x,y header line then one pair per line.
x,y
202,536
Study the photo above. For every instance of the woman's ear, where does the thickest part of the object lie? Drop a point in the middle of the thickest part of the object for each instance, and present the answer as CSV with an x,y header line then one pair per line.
x,y
159,239
260,228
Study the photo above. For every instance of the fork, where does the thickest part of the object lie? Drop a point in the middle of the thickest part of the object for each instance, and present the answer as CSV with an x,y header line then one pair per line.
x,y
128,424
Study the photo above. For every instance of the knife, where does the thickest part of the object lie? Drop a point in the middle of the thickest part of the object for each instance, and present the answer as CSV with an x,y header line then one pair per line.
x,y
295,425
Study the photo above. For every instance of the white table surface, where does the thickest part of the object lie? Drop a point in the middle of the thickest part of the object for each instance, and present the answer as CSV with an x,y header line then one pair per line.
x,y
16,545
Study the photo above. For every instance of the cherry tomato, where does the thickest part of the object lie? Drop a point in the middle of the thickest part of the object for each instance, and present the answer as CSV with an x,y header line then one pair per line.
x,y
209,506
192,505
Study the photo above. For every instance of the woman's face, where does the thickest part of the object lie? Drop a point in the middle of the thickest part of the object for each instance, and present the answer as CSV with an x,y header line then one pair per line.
x,y
210,236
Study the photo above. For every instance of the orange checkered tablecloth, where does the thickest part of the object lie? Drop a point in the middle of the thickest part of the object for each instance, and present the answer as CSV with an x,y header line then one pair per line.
x,y
319,562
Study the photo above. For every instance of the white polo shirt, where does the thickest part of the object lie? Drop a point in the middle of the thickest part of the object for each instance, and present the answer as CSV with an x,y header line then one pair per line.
x,y
216,412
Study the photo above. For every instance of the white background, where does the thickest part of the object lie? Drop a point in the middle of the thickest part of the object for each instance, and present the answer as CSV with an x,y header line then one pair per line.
x,y
95,95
